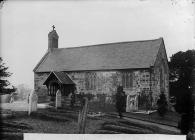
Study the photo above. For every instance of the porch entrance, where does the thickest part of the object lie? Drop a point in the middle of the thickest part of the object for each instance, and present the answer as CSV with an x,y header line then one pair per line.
x,y
59,81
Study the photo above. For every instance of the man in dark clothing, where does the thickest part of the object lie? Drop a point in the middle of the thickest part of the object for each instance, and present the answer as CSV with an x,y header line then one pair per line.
x,y
120,101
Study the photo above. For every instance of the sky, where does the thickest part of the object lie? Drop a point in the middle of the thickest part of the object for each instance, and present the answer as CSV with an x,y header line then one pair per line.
x,y
24,27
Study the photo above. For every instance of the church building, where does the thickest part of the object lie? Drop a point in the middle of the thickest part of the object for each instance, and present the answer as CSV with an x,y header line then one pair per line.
x,y
141,67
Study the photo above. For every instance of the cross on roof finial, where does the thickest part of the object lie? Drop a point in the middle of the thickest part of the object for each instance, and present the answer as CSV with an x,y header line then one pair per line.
x,y
53,27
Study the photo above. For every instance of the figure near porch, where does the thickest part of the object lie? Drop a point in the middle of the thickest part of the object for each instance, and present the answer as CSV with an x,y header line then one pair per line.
x,y
120,101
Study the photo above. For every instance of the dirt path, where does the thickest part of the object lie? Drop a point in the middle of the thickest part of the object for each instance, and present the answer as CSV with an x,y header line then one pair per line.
x,y
170,128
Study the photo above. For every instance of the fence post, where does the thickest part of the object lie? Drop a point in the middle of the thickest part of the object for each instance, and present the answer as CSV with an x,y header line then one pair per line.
x,y
82,117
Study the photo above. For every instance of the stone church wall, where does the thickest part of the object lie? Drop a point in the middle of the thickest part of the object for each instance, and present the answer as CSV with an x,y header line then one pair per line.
x,y
161,81
106,82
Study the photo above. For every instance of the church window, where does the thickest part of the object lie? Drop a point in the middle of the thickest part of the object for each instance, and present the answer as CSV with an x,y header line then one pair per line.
x,y
90,81
127,79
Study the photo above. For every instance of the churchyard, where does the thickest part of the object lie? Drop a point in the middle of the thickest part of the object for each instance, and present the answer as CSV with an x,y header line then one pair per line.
x,y
65,121
30,117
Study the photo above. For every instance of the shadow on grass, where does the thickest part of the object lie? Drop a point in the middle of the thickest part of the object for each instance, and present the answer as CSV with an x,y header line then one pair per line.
x,y
48,117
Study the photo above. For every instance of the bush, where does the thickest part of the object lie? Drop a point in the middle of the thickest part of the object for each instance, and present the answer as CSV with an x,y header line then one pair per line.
x,y
89,96
162,105
185,107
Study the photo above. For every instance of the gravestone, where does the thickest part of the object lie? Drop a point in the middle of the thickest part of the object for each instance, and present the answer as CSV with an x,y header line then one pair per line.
x,y
58,99
33,98
128,104
131,103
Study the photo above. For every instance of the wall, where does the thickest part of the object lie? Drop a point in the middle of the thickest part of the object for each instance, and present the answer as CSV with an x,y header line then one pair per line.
x,y
106,82
161,84
39,88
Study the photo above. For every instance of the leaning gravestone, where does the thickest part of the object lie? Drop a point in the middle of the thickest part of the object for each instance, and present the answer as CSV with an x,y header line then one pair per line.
x,y
58,99
33,98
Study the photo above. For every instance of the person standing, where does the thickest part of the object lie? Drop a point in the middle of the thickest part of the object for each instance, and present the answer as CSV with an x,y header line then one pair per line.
x,y
120,101
73,97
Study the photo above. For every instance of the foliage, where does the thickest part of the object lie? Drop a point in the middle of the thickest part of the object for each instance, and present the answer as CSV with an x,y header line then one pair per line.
x,y
162,105
185,106
145,100
181,66
142,100
88,95
3,81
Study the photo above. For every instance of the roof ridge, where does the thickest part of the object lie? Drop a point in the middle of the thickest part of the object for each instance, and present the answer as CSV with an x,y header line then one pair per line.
x,y
98,45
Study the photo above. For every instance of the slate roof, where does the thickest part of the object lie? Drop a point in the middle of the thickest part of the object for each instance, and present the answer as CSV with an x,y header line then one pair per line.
x,y
112,56
62,77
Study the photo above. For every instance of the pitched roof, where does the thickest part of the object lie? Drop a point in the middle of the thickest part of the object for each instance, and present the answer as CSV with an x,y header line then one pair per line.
x,y
122,55
62,77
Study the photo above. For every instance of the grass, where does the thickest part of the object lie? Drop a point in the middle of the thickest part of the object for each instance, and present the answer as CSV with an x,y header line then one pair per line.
x,y
45,121
101,107
65,121
170,119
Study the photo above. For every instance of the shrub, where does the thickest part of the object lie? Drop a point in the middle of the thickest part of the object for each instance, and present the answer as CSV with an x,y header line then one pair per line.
x,y
162,105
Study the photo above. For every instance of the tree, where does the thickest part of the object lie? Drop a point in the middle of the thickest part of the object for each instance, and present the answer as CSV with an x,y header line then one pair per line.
x,y
162,105
181,67
23,91
4,83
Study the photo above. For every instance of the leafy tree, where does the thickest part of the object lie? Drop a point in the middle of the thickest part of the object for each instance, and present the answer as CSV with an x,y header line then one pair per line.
x,y
3,82
181,67
162,105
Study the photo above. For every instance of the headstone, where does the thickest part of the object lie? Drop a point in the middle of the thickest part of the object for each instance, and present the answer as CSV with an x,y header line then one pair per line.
x,y
128,104
131,103
33,99
58,99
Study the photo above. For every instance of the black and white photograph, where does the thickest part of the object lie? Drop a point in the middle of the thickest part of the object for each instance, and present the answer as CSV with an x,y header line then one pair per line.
x,y
116,69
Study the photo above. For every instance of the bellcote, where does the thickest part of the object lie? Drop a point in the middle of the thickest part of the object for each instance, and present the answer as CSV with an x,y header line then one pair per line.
x,y
52,39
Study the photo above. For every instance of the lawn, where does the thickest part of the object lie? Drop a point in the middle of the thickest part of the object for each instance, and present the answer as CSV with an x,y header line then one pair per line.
x,y
65,121
171,118
43,122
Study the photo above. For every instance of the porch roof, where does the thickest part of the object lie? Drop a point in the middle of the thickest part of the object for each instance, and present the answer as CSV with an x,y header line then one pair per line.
x,y
62,77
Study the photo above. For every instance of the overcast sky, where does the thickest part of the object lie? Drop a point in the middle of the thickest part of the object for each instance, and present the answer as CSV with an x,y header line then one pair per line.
x,y
25,27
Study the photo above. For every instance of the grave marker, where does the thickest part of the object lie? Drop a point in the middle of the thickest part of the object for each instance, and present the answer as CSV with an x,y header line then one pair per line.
x,y
58,99
131,103
33,98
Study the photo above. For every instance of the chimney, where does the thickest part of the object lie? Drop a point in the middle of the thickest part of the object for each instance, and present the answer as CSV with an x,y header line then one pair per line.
x,y
52,39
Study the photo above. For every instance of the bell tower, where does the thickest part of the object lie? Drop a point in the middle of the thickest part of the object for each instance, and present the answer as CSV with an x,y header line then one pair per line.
x,y
52,39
